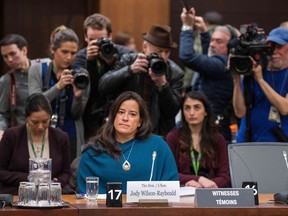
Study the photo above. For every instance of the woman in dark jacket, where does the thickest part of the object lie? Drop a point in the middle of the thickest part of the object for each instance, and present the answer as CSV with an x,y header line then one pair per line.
x,y
35,139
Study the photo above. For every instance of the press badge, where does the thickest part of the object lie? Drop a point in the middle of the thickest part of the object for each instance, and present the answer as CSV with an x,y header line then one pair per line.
x,y
274,114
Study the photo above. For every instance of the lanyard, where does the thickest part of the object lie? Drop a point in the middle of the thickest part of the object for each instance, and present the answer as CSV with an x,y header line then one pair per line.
x,y
32,145
195,163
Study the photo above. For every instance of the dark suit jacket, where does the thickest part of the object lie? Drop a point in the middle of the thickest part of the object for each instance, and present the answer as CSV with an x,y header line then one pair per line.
x,y
14,157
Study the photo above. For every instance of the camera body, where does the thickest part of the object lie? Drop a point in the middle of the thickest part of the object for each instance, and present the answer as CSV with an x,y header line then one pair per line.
x,y
252,42
80,78
106,47
157,64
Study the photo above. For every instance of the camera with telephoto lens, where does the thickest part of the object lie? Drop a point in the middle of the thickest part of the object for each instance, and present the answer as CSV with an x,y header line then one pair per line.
x,y
106,47
252,42
80,78
157,64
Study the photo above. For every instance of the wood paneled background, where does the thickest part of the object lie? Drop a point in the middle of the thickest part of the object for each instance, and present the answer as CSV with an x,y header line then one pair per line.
x,y
36,19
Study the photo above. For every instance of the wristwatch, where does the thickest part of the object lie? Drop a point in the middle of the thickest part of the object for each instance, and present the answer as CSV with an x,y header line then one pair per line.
x,y
186,27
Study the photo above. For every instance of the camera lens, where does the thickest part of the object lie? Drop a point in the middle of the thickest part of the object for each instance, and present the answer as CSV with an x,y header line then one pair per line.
x,y
107,50
241,64
81,79
81,82
157,64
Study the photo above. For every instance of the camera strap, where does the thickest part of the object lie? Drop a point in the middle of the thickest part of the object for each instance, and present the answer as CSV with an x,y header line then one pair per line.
x,y
61,99
12,98
62,107
46,74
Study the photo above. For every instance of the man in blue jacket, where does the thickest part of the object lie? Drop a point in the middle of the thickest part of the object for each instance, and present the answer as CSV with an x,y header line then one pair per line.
x,y
216,81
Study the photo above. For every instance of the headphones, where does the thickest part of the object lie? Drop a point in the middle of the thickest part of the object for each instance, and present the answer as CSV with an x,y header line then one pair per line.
x,y
232,31
234,37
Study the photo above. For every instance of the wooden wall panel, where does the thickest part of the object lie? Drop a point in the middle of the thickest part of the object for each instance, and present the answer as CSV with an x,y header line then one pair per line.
x,y
36,19
267,14
135,16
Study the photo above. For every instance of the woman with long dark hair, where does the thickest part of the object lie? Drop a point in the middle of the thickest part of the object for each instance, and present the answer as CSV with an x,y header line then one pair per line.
x,y
199,149
125,148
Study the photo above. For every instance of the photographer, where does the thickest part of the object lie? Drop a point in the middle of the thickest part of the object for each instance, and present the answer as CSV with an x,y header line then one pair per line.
x,y
216,81
269,99
152,75
66,88
98,57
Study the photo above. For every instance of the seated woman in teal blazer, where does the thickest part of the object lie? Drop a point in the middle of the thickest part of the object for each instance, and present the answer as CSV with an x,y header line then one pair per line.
x,y
125,149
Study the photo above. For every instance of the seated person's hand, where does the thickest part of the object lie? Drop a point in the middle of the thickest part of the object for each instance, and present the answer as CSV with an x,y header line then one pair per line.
x,y
193,183
207,183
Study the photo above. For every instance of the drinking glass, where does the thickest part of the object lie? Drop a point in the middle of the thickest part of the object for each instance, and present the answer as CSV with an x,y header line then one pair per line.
x,y
55,194
21,193
43,196
30,194
92,184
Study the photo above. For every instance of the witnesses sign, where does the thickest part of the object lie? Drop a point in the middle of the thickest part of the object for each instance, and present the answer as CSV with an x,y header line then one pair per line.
x,y
224,197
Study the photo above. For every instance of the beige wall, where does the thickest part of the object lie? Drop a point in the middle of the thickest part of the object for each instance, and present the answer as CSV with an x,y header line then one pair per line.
x,y
135,16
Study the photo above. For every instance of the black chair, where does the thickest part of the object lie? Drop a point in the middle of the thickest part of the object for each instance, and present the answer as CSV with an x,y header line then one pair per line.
x,y
264,163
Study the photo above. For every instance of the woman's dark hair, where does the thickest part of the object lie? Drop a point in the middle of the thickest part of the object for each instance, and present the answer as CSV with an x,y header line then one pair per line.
x,y
208,133
105,140
37,102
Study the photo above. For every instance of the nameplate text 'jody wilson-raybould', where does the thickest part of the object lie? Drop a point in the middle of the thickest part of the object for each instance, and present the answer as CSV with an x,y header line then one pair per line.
x,y
153,190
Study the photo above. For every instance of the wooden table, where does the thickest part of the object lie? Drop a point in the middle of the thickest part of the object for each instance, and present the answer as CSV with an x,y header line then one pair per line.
x,y
13,211
81,207
184,208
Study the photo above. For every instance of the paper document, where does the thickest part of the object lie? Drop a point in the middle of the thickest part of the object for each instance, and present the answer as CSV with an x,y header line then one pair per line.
x,y
187,191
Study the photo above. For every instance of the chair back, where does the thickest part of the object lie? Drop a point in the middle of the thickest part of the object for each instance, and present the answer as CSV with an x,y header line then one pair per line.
x,y
264,163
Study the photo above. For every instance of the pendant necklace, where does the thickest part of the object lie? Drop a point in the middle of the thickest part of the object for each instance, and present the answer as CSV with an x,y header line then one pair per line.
x,y
32,145
126,166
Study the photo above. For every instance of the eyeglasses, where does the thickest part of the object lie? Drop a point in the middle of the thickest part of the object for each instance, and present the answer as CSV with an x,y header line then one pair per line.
x,y
2,203
77,195
5,200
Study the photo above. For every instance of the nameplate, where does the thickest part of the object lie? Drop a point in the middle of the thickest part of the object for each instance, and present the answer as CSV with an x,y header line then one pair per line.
x,y
153,190
224,197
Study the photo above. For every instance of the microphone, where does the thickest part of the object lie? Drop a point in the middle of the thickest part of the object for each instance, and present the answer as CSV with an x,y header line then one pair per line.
x,y
282,197
154,154
285,157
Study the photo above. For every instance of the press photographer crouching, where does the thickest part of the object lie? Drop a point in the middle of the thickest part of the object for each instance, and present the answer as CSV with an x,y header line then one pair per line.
x,y
262,100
